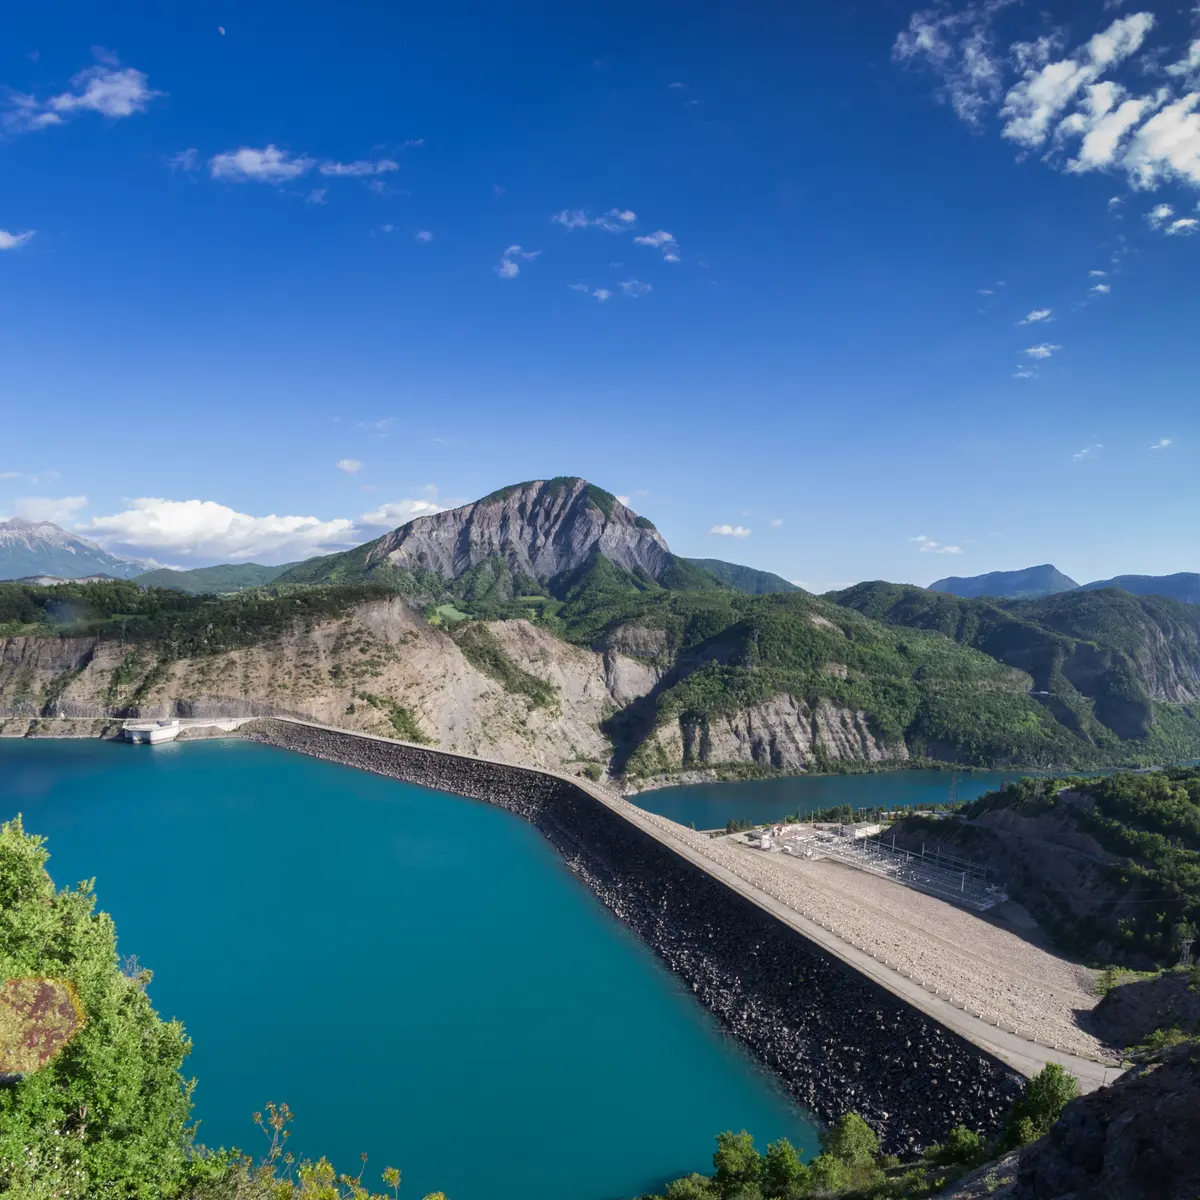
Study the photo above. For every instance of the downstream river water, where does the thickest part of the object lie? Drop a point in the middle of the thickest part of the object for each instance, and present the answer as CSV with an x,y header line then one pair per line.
x,y
418,976
711,805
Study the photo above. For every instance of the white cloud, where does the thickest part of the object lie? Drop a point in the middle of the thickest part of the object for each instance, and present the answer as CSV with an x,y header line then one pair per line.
x,y
400,512
960,47
1032,106
1158,214
984,292
1058,99
1024,373
623,500
1043,350
13,241
660,239
737,531
185,160
351,466
635,287
1097,274
317,195
1087,452
1100,289
928,546
1038,314
1183,225
1162,444
679,86
203,529
48,508
423,235
613,221
387,228
574,218
602,294
269,165
107,88
508,267
776,522
414,142
10,474
359,169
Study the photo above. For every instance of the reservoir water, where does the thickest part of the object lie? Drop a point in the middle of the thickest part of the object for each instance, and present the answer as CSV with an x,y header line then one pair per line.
x,y
418,976
711,805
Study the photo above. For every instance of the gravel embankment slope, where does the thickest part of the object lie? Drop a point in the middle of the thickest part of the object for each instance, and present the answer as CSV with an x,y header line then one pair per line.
x,y
948,950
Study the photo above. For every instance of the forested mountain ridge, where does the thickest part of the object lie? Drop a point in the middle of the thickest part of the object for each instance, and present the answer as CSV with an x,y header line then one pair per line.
x,y
1105,663
1027,584
640,684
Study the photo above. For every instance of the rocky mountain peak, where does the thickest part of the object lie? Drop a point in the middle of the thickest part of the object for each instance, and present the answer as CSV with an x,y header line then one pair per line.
x,y
29,548
539,528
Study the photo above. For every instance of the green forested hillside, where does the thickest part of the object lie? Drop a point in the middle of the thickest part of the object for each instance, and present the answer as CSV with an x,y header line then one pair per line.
x,y
229,577
744,579
1116,670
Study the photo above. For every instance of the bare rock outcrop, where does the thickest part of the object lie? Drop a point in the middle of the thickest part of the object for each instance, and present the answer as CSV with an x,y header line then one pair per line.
x,y
539,529
784,733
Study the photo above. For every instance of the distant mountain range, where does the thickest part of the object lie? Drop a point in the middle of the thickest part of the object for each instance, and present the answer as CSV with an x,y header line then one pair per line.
x,y
1035,582
29,548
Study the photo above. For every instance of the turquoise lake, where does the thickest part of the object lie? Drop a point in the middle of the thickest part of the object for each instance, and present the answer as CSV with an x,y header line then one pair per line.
x,y
418,976
710,805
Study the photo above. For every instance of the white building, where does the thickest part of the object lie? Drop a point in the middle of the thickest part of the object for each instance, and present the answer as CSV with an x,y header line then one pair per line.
x,y
151,732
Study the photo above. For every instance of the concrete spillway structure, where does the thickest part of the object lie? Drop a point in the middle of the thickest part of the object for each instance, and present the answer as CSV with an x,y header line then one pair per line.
x,y
839,1029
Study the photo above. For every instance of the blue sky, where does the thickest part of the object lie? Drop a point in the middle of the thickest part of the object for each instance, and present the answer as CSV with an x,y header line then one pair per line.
x,y
276,277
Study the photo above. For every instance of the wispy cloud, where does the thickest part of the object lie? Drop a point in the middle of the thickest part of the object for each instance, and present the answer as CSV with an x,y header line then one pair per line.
x,y
268,165
737,531
107,89
1089,451
186,160
616,220
508,267
1100,289
635,287
928,546
317,195
660,239
49,508
1024,373
423,235
1060,104
1038,314
1162,444
776,522
362,168
1097,274
351,466
1041,351
14,241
